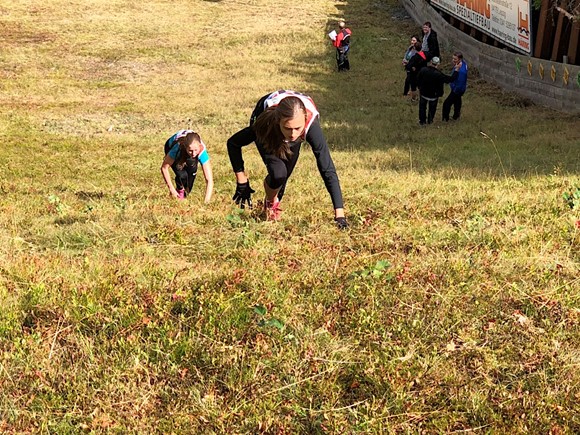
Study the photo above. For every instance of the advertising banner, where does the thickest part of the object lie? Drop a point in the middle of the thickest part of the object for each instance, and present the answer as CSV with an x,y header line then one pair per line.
x,y
508,21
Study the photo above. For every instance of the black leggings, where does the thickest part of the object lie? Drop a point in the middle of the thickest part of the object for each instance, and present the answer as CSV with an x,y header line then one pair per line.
x,y
184,177
279,170
407,85
412,77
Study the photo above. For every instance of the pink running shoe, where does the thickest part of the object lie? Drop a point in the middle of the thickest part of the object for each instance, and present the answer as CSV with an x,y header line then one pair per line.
x,y
273,210
181,194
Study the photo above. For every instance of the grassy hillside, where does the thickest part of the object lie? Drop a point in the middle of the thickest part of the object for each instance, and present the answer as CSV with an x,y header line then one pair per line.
x,y
452,303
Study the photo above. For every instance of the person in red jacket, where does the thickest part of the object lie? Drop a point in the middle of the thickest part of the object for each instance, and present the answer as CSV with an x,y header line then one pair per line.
x,y
342,44
415,64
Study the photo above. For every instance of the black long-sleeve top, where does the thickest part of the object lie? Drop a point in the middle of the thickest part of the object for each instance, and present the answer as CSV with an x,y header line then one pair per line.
x,y
314,136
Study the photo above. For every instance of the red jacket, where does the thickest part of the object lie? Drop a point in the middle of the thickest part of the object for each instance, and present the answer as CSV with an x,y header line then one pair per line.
x,y
343,38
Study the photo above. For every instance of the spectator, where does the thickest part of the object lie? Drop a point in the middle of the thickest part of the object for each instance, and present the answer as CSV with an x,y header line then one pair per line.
x,y
430,82
430,43
416,63
411,51
342,44
458,88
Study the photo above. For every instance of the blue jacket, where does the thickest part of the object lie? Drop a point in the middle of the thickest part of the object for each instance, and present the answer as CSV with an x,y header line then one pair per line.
x,y
459,85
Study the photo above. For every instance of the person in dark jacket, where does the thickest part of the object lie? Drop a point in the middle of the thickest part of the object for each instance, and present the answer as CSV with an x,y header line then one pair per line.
x,y
430,82
411,51
415,64
342,44
458,88
430,43
279,124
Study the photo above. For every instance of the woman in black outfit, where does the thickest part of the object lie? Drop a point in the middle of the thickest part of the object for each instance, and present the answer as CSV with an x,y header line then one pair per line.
x,y
279,124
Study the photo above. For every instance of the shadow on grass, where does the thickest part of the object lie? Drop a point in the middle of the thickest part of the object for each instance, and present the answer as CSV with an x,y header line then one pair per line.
x,y
363,110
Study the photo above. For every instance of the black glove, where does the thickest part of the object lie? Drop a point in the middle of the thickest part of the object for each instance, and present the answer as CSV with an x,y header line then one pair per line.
x,y
341,223
243,194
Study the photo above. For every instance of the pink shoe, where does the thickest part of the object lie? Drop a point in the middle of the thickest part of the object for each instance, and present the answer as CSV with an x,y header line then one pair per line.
x,y
273,210
181,194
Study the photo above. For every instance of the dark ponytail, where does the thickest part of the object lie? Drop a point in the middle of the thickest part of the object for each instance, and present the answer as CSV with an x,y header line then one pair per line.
x,y
267,126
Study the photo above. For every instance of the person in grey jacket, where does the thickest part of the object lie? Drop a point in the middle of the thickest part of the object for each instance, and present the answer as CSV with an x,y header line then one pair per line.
x,y
430,43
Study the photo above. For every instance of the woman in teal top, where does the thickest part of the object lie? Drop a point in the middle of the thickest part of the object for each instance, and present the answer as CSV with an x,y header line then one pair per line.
x,y
183,151
411,51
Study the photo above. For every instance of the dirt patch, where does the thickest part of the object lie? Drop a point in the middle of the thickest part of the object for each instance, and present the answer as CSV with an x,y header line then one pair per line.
x,y
514,100
17,34
502,98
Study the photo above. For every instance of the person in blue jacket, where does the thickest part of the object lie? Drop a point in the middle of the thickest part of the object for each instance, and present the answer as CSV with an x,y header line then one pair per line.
x,y
183,151
458,87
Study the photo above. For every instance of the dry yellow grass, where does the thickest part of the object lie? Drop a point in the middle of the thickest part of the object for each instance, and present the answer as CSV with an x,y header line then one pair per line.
x,y
451,304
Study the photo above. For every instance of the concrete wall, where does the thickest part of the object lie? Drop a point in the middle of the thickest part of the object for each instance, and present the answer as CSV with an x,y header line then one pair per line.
x,y
511,71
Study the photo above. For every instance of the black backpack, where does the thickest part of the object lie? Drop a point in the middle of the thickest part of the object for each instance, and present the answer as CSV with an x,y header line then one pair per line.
x,y
345,39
